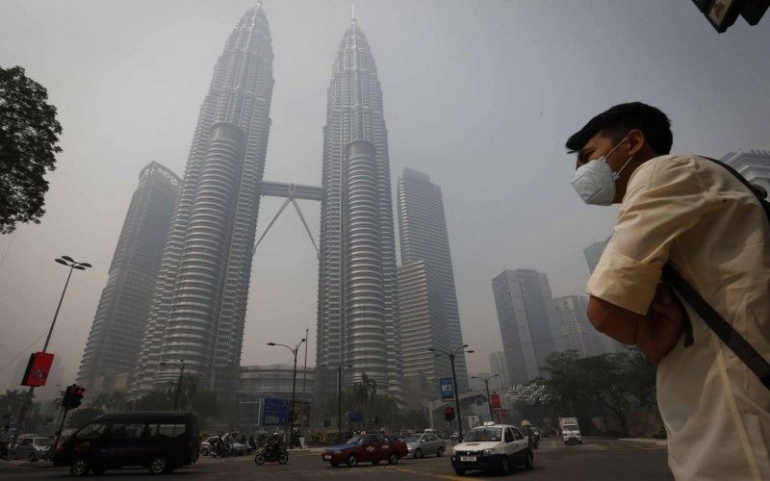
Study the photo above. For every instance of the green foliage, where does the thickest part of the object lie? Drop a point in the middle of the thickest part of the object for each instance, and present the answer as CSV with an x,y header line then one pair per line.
x,y
28,136
11,401
80,416
610,384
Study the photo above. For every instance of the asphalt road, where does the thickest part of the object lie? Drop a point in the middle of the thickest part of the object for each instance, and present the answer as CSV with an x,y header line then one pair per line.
x,y
594,460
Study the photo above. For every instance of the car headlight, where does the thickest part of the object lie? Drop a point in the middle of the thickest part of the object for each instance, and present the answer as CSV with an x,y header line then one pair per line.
x,y
488,451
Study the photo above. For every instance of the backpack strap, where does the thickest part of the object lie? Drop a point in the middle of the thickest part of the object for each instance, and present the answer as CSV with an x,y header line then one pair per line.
x,y
737,343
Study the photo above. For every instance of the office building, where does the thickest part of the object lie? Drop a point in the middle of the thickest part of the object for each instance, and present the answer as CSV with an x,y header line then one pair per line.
x,y
113,343
424,237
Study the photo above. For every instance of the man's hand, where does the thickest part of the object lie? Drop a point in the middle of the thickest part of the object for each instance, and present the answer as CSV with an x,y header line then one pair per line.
x,y
661,329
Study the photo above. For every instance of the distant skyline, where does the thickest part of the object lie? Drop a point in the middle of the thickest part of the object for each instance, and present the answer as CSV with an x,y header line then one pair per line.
x,y
479,95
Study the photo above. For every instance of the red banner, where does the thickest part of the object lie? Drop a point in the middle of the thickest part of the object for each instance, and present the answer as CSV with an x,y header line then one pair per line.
x,y
37,369
495,401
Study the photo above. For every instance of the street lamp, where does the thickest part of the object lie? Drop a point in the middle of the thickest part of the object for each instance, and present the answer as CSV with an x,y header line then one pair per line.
x,y
179,382
451,355
489,399
293,385
339,400
72,264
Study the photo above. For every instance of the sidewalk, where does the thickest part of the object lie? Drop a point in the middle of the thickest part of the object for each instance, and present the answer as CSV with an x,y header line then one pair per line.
x,y
653,441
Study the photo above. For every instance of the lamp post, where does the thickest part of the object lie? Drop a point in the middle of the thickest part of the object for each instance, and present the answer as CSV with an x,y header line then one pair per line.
x,y
489,399
179,382
339,400
72,264
293,385
451,355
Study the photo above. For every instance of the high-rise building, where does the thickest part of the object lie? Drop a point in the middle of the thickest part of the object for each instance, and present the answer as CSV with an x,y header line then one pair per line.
x,y
423,320
499,367
424,237
121,316
357,294
752,164
198,308
530,326
581,334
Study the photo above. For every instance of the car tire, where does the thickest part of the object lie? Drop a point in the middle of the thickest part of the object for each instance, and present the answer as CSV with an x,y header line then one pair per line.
x,y
80,466
393,458
32,457
440,452
459,471
204,452
417,453
529,462
505,466
352,461
259,458
283,457
159,465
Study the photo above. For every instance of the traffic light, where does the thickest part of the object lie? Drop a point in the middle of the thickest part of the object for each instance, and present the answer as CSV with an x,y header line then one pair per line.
x,y
73,396
449,413
723,13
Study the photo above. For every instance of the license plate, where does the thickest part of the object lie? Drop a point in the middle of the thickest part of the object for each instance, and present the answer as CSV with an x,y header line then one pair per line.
x,y
327,456
468,459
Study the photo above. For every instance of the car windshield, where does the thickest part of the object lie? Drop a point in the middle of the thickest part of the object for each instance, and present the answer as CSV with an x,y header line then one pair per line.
x,y
570,427
485,434
412,439
355,439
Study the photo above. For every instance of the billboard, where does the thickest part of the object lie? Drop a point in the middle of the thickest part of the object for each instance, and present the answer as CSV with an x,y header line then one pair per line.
x,y
447,392
38,367
494,400
276,412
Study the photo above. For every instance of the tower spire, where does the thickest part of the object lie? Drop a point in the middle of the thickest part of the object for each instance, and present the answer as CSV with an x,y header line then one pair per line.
x,y
352,13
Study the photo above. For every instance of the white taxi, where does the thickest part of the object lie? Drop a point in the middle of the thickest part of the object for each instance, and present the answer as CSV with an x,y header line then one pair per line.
x,y
492,447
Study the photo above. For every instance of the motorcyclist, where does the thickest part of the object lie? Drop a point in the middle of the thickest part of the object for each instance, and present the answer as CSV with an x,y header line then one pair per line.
x,y
273,445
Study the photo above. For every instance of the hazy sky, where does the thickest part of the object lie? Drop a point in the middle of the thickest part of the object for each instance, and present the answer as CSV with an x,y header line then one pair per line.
x,y
479,95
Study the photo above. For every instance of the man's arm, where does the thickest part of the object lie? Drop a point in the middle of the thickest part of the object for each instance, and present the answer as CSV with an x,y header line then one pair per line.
x,y
655,334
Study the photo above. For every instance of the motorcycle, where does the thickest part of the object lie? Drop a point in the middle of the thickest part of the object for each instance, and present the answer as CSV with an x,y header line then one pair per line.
x,y
271,456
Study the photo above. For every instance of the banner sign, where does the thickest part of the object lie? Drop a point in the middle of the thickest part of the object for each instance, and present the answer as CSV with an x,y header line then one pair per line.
x,y
495,401
38,367
276,412
447,392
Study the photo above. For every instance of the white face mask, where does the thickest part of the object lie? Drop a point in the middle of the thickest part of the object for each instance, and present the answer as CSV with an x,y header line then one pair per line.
x,y
594,181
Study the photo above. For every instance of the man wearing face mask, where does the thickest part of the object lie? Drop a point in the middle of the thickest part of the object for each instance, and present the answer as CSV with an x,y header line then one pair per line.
x,y
693,214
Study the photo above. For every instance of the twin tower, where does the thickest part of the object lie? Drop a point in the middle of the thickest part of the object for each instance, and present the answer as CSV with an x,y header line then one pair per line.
x,y
198,306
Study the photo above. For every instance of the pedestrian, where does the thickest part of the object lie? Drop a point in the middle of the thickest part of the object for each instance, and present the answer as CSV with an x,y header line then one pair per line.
x,y
696,217
5,440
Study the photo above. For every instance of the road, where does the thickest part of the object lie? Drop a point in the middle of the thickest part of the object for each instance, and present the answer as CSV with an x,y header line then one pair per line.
x,y
596,459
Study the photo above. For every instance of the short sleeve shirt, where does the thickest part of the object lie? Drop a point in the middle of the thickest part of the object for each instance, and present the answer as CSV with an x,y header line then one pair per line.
x,y
695,214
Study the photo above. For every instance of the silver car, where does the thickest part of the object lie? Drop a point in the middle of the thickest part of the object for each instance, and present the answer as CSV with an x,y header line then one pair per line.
x,y
419,445
31,448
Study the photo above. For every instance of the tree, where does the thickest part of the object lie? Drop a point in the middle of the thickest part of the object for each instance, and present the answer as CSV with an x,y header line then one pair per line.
x,y
82,416
29,133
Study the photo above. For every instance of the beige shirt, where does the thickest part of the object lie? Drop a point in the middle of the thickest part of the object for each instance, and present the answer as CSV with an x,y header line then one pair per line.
x,y
713,230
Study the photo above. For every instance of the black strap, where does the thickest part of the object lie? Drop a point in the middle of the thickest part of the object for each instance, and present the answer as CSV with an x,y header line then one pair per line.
x,y
721,328
742,349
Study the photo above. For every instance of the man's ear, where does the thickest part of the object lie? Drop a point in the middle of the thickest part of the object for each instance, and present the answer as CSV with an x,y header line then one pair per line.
x,y
636,141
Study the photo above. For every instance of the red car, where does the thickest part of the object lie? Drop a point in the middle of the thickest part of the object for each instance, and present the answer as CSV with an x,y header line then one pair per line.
x,y
365,448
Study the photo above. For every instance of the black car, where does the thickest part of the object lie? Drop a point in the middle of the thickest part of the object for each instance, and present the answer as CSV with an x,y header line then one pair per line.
x,y
160,441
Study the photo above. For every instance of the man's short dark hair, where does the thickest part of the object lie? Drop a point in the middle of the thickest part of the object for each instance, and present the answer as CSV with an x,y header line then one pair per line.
x,y
616,122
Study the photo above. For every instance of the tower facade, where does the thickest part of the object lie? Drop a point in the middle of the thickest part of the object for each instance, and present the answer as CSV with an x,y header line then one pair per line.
x,y
423,318
424,237
198,307
753,164
358,326
530,326
121,316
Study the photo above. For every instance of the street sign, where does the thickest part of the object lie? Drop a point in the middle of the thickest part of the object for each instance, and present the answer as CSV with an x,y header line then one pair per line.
x,y
276,412
38,367
446,388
